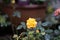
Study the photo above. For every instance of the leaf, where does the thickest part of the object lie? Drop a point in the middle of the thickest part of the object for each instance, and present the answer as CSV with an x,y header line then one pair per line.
x,y
47,37
30,32
49,31
19,27
23,25
47,23
17,14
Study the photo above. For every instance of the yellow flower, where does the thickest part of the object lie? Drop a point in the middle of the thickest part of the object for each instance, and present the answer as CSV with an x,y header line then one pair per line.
x,y
31,23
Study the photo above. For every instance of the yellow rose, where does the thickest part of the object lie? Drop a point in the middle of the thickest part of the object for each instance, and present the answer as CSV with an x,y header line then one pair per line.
x,y
31,23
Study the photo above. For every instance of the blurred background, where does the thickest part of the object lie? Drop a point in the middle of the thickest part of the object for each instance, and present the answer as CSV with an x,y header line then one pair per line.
x,y
16,12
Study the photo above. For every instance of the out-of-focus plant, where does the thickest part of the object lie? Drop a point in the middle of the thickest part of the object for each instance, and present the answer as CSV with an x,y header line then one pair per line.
x,y
17,14
2,19
49,10
6,2
59,27
34,31
22,25
57,38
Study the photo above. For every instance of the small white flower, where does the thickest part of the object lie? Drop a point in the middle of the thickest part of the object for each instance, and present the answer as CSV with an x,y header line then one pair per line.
x,y
43,33
14,36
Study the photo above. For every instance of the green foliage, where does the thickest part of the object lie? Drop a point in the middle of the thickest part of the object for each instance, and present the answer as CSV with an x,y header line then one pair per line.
x,y
57,38
2,19
49,10
6,1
